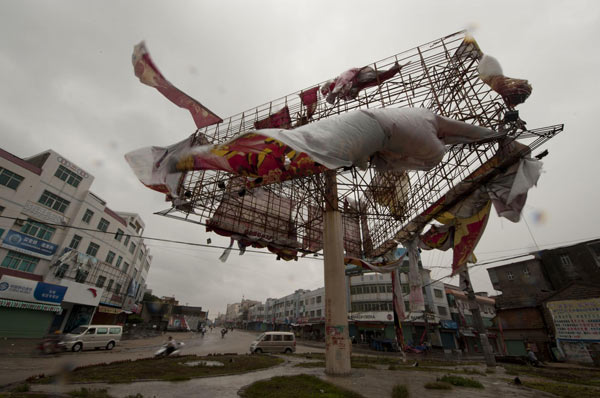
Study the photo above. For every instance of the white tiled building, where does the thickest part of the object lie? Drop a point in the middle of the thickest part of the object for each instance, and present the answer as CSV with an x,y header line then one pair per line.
x,y
47,213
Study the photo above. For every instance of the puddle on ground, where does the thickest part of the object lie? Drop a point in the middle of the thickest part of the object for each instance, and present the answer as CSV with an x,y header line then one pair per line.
x,y
204,363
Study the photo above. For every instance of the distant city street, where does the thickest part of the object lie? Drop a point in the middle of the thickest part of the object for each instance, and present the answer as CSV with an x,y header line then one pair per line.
x,y
19,362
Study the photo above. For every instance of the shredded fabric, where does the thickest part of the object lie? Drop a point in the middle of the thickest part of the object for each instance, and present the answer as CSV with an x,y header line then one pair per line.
x,y
513,91
393,139
148,73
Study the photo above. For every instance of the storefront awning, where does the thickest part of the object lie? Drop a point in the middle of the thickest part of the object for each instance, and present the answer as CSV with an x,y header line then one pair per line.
x,y
30,306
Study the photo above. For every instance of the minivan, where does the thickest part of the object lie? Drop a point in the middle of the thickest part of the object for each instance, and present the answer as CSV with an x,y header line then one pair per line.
x,y
93,336
274,342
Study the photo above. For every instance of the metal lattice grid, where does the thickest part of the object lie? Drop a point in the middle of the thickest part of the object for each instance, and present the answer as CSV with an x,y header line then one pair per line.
x,y
441,76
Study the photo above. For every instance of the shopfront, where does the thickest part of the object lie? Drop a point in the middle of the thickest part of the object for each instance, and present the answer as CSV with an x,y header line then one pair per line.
x,y
27,307
79,305
370,326
448,331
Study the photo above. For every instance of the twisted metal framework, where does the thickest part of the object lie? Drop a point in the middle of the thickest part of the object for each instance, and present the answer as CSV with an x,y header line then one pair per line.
x,y
378,208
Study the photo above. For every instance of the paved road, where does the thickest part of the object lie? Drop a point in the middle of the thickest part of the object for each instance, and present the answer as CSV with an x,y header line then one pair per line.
x,y
18,363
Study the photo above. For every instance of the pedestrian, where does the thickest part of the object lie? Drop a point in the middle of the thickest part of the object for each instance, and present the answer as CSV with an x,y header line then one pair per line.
x,y
532,358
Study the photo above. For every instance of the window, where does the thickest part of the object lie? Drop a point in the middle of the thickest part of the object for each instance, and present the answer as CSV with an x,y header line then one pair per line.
x,y
312,300
442,310
312,314
118,288
102,331
110,284
388,288
318,299
100,281
438,293
87,216
125,267
119,261
75,241
92,249
38,230
127,240
510,276
277,337
110,257
267,338
67,175
288,337
526,271
81,275
20,262
565,259
10,179
103,225
141,255
115,331
381,288
61,271
54,202
318,312
91,331
119,234
132,248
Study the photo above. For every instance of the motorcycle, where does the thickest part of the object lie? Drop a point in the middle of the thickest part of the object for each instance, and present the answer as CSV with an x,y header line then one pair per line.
x,y
52,345
164,352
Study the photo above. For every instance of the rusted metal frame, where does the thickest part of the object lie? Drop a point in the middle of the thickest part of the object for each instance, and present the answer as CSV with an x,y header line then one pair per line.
x,y
459,90
432,86
421,222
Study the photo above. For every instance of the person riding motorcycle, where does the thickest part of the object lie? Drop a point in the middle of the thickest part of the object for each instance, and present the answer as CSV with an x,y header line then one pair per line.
x,y
171,345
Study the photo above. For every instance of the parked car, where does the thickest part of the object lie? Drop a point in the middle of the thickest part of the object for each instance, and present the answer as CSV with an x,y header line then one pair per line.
x,y
93,336
274,342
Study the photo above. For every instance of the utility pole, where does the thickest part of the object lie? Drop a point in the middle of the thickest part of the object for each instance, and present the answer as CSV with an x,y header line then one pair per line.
x,y
488,353
337,341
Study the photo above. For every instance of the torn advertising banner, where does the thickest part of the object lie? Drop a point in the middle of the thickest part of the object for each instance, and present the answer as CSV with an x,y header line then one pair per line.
x,y
391,139
148,73
258,218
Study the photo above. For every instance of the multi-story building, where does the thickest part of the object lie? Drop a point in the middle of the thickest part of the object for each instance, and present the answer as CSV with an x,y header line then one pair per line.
x,y
55,231
371,310
533,309
461,326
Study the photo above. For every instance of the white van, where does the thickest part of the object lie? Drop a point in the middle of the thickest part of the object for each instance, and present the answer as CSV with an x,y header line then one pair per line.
x,y
93,336
274,342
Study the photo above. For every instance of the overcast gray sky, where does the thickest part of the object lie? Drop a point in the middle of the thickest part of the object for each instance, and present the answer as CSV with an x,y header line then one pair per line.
x,y
68,84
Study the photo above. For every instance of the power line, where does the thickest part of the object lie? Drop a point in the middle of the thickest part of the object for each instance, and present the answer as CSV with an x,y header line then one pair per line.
x,y
180,242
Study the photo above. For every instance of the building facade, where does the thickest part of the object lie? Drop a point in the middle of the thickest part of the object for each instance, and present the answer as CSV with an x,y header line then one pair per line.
x,y
370,312
531,289
54,230
461,327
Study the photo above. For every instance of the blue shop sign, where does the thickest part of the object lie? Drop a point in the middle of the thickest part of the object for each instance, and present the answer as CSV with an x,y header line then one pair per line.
x,y
448,324
29,245
49,292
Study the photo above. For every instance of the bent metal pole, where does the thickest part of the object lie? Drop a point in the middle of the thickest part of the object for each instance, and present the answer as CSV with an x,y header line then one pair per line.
x,y
337,341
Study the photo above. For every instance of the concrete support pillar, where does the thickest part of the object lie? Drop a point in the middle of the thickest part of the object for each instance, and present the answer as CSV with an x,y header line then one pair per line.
x,y
337,341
